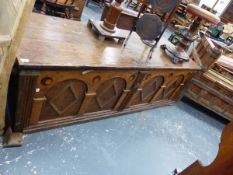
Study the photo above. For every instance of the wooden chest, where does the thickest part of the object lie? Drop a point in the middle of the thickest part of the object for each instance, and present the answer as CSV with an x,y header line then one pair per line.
x,y
67,75
210,92
210,89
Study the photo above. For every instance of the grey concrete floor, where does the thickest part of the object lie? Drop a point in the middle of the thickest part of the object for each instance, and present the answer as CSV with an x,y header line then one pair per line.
x,y
152,142
92,11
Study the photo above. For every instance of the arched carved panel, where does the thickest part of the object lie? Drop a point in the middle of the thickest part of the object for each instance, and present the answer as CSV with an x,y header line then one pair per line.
x,y
170,88
107,95
149,89
63,99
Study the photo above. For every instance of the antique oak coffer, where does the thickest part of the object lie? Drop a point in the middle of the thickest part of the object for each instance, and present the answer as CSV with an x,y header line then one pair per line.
x,y
66,75
213,88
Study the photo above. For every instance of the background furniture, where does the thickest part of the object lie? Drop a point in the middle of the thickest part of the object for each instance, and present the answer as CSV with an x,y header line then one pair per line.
x,y
126,18
13,19
92,81
204,6
60,8
78,14
100,3
214,88
70,9
180,17
226,17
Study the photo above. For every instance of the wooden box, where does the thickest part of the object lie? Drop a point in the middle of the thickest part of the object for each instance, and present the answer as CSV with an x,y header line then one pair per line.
x,y
67,75
208,88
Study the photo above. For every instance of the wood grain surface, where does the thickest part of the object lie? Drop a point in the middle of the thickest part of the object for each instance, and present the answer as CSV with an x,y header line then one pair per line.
x,y
60,43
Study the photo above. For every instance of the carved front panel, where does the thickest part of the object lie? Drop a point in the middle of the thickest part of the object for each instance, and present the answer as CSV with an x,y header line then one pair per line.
x,y
158,86
107,95
169,89
148,90
63,99
61,94
211,95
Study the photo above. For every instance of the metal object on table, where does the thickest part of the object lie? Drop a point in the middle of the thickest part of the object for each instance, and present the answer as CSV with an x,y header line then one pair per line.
x,y
143,7
164,6
201,15
176,54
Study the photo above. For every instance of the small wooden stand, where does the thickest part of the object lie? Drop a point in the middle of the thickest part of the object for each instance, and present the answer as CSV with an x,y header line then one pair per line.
x,y
119,34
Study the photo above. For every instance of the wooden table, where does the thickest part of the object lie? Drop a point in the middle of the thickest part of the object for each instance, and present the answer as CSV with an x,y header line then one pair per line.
x,y
66,75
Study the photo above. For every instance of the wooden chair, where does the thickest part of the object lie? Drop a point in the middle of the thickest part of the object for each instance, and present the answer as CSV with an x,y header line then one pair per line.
x,y
60,8
149,9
